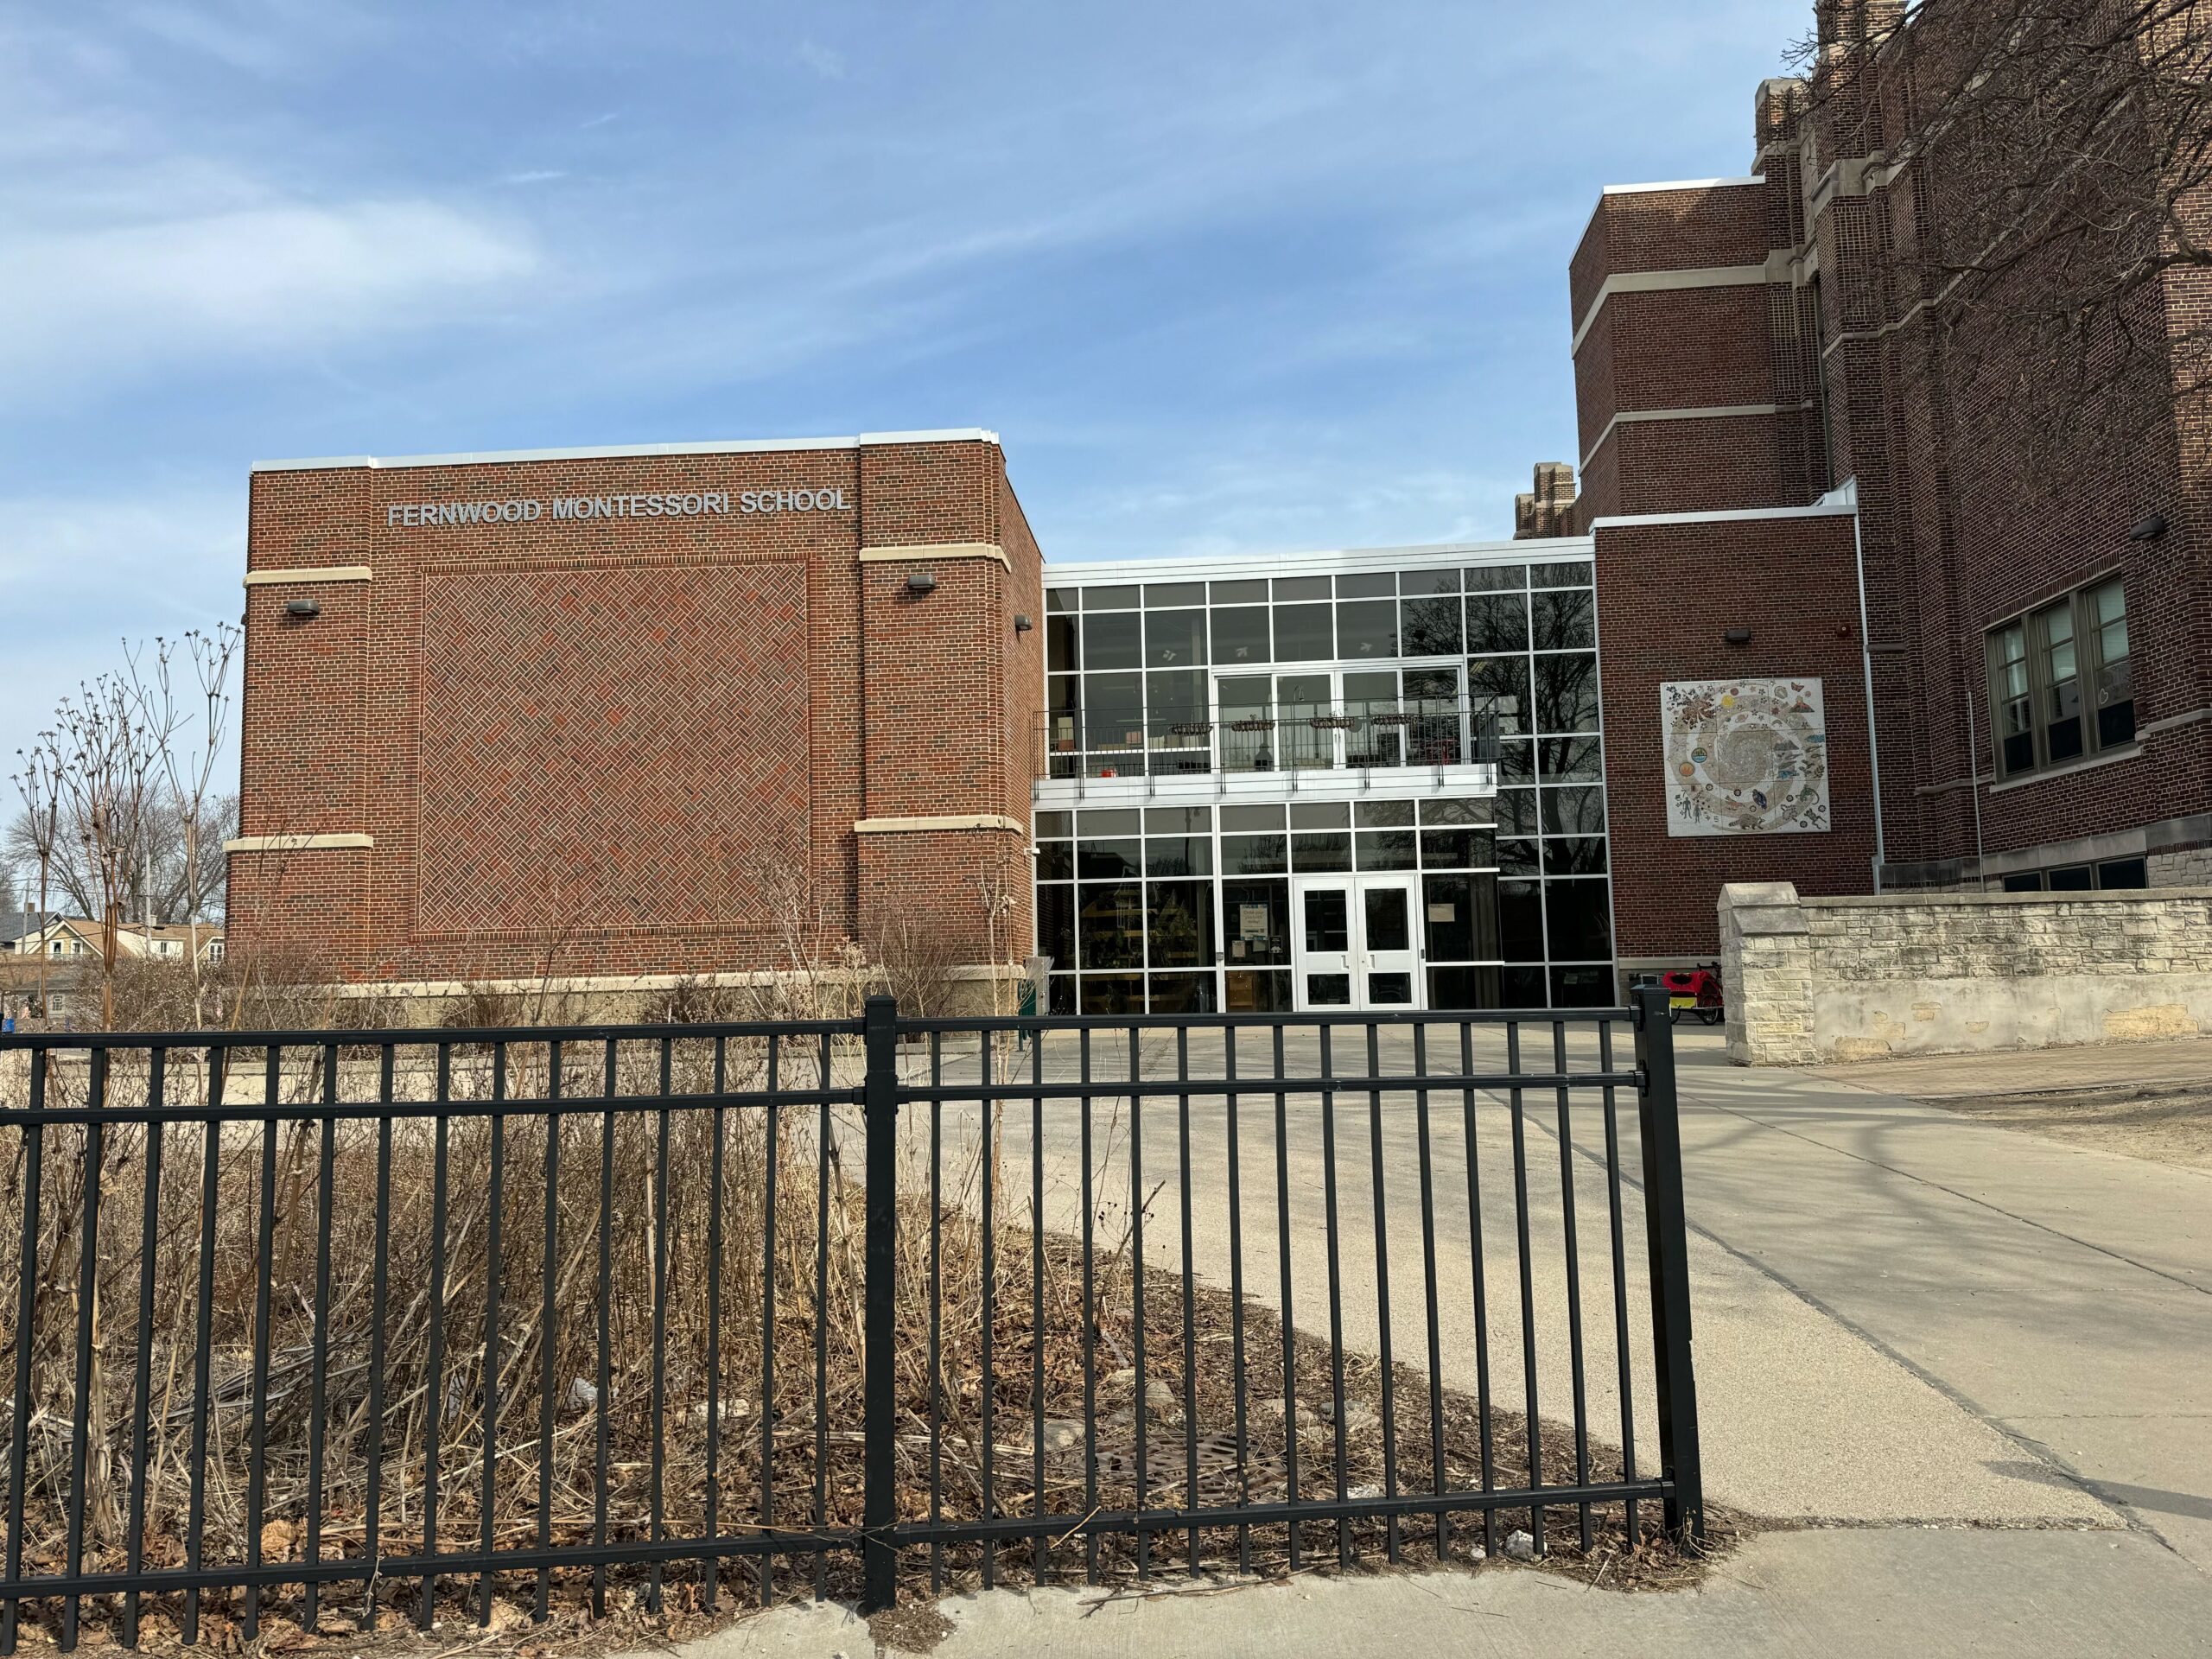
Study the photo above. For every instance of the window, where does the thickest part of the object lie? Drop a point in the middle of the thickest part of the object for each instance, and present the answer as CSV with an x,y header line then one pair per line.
x,y
2113,874
2106,616
2060,682
1370,671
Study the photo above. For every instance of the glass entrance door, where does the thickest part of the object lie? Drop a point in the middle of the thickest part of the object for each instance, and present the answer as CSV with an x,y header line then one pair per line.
x,y
1355,942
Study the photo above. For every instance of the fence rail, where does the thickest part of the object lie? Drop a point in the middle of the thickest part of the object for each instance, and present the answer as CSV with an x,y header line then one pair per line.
x,y
438,1318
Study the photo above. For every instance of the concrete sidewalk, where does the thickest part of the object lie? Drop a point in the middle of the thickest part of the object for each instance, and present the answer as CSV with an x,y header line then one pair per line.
x,y
1904,1315
1895,1591
2061,1295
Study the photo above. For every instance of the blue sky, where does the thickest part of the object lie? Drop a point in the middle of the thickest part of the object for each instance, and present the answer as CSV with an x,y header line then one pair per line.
x,y
1224,274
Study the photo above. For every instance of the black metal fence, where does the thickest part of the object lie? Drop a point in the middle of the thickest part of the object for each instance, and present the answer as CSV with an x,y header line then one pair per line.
x,y
317,1321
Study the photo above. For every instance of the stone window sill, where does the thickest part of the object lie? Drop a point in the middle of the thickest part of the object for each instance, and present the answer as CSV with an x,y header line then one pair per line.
x,y
2087,763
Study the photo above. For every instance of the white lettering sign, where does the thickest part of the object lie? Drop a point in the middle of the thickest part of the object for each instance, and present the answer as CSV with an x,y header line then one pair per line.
x,y
663,505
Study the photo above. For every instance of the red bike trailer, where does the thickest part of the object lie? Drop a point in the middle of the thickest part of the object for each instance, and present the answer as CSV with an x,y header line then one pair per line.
x,y
1694,990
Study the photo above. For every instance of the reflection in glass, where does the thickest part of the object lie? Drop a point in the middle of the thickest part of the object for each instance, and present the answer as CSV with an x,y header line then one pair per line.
x,y
1575,856
1241,635
1569,760
1575,809
1328,990
1520,921
1580,924
1498,687
1174,639
1113,994
1327,920
1564,621
1388,926
1496,622
1429,627
1113,640
1179,923
1304,633
1367,628
1390,990
1567,693
1111,925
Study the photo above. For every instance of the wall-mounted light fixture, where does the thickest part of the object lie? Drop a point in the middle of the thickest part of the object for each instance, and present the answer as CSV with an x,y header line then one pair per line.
x,y
1738,636
923,581
303,608
2150,529
1022,624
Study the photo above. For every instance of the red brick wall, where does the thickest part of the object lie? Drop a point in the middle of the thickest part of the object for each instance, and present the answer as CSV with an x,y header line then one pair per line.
x,y
1736,345
1675,230
1666,595
1971,510
1975,509
1714,464
620,746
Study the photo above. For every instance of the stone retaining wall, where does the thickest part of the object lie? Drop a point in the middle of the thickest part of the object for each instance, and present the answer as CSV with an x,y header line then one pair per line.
x,y
1811,980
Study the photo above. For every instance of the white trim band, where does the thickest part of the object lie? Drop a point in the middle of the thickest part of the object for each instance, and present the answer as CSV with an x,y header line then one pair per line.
x,y
890,555
617,451
600,984
1823,508
298,843
1230,566
948,821
1715,412
1660,282
310,573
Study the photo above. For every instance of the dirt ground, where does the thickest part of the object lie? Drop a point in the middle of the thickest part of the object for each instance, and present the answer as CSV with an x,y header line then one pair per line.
x,y
2172,1126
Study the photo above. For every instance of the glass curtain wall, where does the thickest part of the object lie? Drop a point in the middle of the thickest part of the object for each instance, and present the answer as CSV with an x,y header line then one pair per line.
x,y
1133,671
1187,909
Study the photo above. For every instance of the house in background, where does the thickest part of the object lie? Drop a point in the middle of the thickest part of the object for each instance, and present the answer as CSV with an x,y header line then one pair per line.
x,y
74,938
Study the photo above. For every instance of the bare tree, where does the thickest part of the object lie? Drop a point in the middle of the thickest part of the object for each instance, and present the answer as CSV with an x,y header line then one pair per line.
x,y
188,758
41,824
100,758
2060,154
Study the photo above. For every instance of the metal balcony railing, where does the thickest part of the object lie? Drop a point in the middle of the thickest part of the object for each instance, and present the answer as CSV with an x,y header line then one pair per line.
x,y
1301,737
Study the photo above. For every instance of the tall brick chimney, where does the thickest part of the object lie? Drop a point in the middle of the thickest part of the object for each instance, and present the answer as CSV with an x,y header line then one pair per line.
x,y
1548,509
1855,22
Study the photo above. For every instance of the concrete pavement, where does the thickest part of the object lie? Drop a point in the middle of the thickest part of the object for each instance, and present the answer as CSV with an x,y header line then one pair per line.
x,y
1803,1418
1902,1316
2059,1294
1924,1591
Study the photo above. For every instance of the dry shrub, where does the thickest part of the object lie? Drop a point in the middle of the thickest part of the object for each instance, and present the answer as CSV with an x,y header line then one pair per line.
x,y
915,956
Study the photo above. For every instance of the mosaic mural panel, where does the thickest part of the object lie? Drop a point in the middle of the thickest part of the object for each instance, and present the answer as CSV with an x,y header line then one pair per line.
x,y
1744,757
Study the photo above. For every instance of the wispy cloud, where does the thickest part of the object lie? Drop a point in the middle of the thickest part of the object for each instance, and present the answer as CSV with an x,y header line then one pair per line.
x,y
260,37
825,61
1298,281
128,299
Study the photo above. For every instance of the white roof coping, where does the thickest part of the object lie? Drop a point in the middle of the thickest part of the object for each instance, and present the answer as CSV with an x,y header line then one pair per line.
x,y
1829,506
616,451
1230,565
1682,184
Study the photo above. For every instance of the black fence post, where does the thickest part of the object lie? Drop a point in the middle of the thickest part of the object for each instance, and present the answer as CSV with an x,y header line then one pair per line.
x,y
880,1107
1667,1233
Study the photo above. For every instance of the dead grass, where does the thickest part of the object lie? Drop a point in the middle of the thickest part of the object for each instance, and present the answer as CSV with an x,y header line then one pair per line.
x,y
2166,1126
